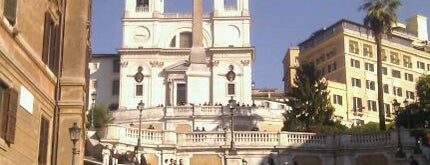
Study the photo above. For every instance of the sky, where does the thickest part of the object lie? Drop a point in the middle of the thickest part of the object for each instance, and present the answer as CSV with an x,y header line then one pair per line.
x,y
276,25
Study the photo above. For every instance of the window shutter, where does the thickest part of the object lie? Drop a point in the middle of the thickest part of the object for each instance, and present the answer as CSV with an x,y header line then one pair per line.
x,y
5,112
11,116
43,141
10,11
46,39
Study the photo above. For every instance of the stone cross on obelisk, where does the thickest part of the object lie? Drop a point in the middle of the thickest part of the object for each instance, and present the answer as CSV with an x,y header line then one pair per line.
x,y
198,55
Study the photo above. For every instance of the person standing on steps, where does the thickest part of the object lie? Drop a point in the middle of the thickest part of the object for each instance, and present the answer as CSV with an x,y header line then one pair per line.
x,y
105,155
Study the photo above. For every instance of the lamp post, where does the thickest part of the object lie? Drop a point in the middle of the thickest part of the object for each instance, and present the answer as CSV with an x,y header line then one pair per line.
x,y
75,133
408,111
252,91
93,103
399,153
140,107
232,106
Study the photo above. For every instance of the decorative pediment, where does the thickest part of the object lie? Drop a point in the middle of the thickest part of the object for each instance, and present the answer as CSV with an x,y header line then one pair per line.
x,y
178,67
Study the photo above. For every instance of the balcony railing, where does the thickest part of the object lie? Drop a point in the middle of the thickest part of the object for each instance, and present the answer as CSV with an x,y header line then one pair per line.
x,y
249,139
158,113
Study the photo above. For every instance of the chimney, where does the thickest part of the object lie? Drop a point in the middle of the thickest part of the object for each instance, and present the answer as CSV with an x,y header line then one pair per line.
x,y
418,25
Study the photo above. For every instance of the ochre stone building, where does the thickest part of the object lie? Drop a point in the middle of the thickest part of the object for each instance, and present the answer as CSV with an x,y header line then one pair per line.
x,y
44,49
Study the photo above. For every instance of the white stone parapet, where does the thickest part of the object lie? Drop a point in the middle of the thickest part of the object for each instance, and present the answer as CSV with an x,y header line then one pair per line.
x,y
251,139
158,113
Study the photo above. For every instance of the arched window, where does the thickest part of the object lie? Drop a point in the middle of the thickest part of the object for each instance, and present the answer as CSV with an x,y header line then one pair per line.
x,y
183,40
186,40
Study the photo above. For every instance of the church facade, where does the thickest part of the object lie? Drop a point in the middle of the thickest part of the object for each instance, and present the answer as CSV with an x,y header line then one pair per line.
x,y
172,59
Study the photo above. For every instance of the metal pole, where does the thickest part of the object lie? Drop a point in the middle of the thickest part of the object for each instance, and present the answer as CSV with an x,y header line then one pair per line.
x,y
140,129
232,146
92,114
74,152
399,153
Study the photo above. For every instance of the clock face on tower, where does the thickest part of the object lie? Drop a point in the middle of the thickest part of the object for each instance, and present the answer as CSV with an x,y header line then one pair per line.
x,y
141,35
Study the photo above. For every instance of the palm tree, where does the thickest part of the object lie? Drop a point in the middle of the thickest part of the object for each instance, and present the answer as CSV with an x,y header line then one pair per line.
x,y
381,15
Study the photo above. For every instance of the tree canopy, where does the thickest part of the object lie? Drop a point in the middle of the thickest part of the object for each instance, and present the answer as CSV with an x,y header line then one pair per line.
x,y
380,16
309,101
102,116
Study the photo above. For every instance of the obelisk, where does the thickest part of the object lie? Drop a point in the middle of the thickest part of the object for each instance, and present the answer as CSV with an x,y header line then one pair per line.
x,y
198,55
198,74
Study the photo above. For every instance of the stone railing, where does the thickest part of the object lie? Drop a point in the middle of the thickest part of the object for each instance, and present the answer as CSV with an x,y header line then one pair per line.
x,y
158,113
248,139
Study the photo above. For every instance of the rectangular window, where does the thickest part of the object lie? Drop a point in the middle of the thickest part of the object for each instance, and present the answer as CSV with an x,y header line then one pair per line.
x,y
428,67
367,51
9,11
139,90
371,105
369,67
397,91
394,58
8,112
407,62
337,99
356,82
331,67
387,110
353,47
384,55
409,77
357,104
355,63
116,65
51,39
395,73
94,83
181,94
43,141
410,95
386,89
420,65
230,89
384,71
370,84
115,87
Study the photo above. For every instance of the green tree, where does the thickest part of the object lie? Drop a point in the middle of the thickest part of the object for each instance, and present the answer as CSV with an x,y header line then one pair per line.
x,y
102,116
380,16
309,101
423,92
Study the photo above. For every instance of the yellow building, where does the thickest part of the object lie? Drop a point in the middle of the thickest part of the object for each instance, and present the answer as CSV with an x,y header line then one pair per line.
x,y
44,51
345,53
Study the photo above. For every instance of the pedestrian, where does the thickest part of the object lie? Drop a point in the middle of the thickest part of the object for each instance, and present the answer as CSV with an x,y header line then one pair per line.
x,y
413,161
172,162
105,155
181,162
270,160
166,162
115,155
142,159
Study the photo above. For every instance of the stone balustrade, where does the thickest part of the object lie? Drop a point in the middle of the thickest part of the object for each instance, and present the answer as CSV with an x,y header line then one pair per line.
x,y
158,113
249,139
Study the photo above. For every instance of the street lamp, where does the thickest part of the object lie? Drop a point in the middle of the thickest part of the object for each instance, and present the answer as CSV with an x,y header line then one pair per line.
x,y
408,111
253,87
232,106
75,133
399,153
140,107
93,98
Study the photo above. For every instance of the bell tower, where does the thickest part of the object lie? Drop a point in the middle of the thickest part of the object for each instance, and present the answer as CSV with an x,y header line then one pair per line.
x,y
143,8
231,8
